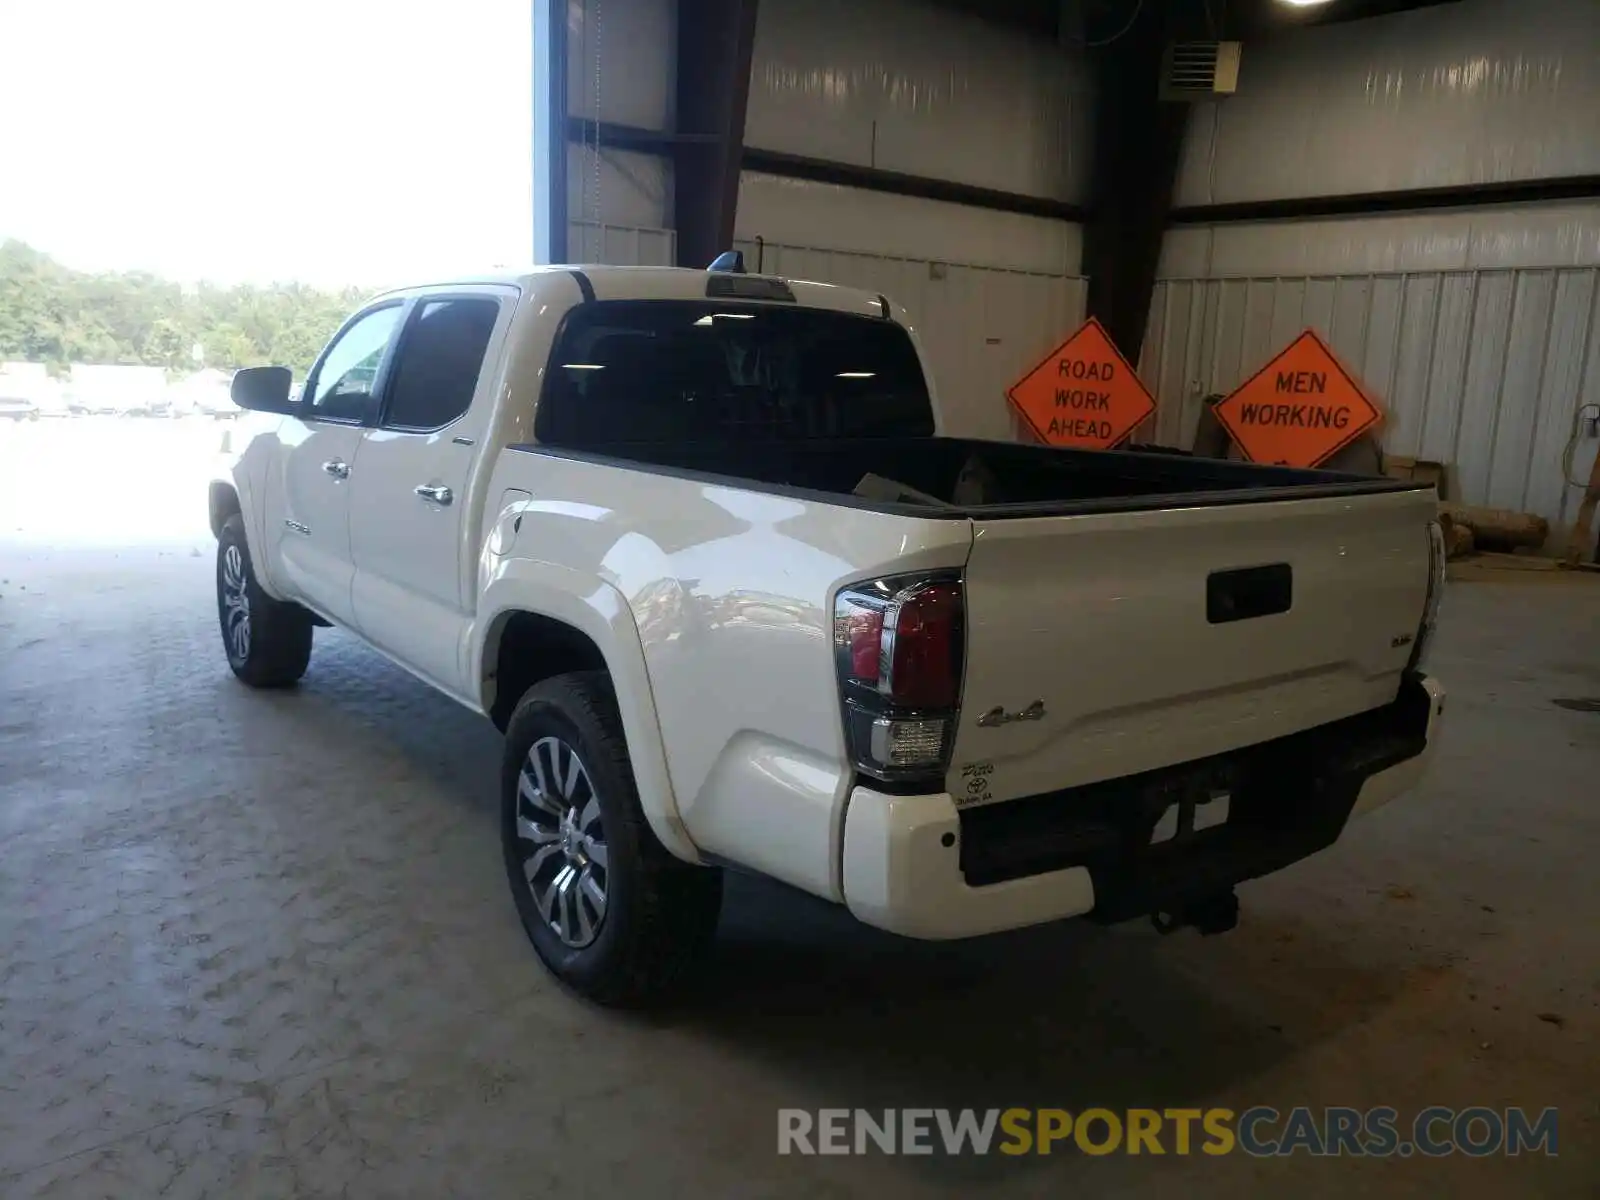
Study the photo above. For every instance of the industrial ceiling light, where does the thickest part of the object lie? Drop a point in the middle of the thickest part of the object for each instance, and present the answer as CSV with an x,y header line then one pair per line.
x,y
1302,3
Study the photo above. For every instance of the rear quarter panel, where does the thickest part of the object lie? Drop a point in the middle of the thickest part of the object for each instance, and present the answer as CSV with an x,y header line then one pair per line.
x,y
731,594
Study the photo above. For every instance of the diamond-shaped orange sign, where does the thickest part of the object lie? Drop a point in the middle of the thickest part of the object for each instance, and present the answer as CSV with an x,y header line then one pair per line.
x,y
1083,394
1300,409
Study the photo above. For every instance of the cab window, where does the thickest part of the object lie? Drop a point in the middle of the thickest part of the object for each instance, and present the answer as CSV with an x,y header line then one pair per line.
x,y
437,364
344,384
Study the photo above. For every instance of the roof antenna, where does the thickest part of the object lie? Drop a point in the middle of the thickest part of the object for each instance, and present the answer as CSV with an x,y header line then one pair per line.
x,y
731,261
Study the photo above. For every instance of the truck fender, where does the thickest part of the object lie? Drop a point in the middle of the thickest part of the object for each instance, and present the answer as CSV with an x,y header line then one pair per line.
x,y
599,611
243,483
225,495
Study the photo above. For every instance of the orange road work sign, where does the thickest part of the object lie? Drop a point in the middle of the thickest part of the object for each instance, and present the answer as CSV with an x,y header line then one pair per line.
x,y
1300,409
1083,394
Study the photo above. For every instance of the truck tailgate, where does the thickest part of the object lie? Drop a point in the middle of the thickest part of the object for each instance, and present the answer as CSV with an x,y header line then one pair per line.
x,y
1103,645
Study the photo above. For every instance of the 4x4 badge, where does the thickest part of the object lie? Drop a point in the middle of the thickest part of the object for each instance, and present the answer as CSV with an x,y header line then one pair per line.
x,y
999,716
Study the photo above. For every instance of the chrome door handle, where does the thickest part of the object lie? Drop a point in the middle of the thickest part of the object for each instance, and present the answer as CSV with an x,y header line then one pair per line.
x,y
337,468
439,495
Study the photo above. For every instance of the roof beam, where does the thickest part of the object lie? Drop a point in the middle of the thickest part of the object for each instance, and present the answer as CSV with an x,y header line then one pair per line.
x,y
1138,140
716,43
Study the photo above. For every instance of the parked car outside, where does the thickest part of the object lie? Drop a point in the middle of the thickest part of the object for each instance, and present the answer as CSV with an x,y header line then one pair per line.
x,y
84,402
215,402
18,408
51,403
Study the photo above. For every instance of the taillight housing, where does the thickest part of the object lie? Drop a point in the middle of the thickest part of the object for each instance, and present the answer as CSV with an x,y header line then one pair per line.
x,y
898,644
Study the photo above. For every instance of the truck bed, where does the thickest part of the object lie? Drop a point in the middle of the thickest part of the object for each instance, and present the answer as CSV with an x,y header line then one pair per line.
x,y
963,477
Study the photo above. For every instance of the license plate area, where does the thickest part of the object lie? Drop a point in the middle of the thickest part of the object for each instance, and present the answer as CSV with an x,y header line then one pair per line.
x,y
1293,793
1118,822
1190,816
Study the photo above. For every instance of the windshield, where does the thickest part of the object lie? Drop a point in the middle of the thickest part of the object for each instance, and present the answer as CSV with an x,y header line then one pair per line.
x,y
714,371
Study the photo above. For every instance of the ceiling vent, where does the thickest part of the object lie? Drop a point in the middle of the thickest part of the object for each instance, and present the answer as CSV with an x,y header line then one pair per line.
x,y
1200,70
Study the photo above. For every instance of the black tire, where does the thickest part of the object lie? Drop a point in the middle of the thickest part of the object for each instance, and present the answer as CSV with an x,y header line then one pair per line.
x,y
660,914
275,645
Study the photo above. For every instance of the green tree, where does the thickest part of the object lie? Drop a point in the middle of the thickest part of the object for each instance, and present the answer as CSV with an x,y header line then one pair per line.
x,y
51,313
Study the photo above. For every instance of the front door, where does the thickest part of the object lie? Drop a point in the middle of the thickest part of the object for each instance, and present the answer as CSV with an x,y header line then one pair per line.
x,y
322,445
414,507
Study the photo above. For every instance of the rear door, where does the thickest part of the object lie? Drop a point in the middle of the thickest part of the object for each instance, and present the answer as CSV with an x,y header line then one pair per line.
x,y
1149,639
414,510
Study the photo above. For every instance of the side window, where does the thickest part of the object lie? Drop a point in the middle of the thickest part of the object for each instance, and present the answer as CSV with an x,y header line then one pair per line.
x,y
436,369
342,389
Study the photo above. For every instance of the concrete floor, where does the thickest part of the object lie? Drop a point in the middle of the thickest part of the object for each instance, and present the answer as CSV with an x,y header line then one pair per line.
x,y
258,945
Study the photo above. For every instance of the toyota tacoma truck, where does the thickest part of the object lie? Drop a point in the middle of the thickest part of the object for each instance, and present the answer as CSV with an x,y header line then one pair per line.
x,y
701,545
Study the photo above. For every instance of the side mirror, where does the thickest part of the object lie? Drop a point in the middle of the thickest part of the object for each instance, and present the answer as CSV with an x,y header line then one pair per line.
x,y
263,389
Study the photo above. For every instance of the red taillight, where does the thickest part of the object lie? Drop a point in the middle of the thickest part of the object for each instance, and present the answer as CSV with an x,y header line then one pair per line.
x,y
925,648
899,643
866,640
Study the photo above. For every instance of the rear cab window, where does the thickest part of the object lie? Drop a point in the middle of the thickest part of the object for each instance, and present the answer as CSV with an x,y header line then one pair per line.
x,y
674,371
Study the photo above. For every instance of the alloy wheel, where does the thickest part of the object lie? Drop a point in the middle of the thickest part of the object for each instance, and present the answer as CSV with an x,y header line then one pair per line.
x,y
235,604
562,841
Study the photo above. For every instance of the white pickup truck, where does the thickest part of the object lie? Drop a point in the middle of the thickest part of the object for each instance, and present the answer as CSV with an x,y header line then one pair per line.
x,y
699,545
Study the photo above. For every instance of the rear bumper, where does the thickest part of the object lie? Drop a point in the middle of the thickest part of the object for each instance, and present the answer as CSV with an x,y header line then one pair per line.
x,y
918,866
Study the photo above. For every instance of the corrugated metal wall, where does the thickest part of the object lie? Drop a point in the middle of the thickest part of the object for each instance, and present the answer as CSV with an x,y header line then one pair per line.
x,y
916,89
1483,91
1479,330
619,69
621,245
981,327
800,212
912,88
1484,369
619,61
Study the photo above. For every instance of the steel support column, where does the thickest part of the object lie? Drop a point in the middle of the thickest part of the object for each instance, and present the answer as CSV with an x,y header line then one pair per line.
x,y
716,39
549,131
1138,139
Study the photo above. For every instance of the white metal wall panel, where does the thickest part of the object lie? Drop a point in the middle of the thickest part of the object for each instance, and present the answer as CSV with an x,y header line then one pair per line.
x,y
620,245
618,187
1521,389
1539,235
1489,333
1483,369
620,56
981,327
1476,92
1442,404
802,213
909,87
1402,369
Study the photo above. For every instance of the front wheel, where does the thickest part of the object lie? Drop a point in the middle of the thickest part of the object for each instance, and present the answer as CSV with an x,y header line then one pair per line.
x,y
268,642
609,911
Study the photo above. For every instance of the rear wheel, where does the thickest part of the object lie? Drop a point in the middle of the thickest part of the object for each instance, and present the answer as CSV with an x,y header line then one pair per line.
x,y
268,642
608,910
